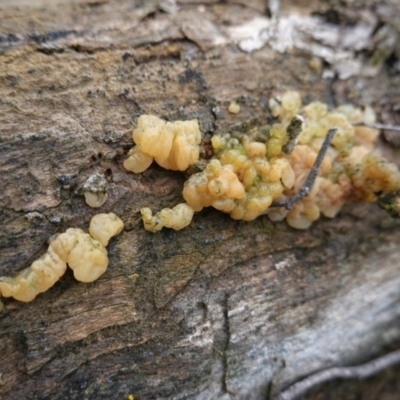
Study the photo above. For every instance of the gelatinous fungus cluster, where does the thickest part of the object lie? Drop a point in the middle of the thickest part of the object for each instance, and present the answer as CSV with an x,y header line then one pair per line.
x,y
85,254
269,164
173,145
250,174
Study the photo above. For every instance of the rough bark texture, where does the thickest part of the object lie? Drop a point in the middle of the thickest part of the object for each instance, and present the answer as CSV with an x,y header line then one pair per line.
x,y
222,309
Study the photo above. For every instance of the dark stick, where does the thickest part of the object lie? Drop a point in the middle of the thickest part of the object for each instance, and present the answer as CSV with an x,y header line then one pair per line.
x,y
358,372
308,184
380,126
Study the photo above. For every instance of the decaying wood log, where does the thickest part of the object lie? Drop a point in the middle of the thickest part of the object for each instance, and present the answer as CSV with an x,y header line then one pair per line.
x,y
223,309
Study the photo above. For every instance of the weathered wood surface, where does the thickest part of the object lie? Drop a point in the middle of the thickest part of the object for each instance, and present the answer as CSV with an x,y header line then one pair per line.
x,y
222,309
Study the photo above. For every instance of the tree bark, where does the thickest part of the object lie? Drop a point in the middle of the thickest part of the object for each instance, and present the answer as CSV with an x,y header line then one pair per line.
x,y
222,309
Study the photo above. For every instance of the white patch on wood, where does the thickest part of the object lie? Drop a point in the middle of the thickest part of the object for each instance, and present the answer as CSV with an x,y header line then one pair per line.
x,y
333,43
287,262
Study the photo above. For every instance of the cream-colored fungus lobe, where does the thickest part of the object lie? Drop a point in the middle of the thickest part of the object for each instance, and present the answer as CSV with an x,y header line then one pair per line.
x,y
95,190
175,218
105,226
173,145
85,254
234,107
270,163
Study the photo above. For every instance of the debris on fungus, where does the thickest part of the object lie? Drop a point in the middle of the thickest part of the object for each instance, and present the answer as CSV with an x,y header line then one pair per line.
x,y
173,145
85,254
95,190
250,174
391,203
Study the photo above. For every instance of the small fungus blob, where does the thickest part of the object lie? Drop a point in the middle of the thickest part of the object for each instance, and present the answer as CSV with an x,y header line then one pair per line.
x,y
173,145
105,226
234,107
176,218
85,254
87,257
95,190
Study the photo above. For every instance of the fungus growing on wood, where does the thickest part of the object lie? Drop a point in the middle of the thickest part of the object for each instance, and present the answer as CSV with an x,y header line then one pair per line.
x,y
105,226
305,164
95,190
217,185
176,218
85,254
234,107
173,145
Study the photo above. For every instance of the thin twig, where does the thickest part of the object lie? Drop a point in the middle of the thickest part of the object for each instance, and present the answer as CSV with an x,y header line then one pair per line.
x,y
308,184
380,126
358,372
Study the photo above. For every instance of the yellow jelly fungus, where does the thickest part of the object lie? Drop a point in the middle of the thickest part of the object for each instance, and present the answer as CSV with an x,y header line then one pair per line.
x,y
85,255
95,190
234,107
248,172
173,145
105,226
137,161
176,218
